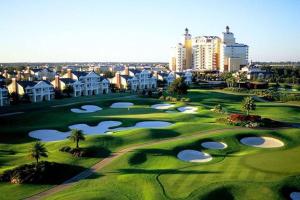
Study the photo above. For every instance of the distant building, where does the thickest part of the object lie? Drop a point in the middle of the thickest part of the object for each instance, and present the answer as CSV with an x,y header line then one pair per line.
x,y
209,53
61,83
4,98
93,84
36,90
181,54
233,56
135,80
206,52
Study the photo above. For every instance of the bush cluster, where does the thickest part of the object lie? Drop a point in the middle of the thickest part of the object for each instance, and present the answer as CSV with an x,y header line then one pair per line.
x,y
86,152
174,99
40,173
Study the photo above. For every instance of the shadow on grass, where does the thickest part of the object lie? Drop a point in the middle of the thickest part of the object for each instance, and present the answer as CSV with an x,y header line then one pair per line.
x,y
165,171
219,193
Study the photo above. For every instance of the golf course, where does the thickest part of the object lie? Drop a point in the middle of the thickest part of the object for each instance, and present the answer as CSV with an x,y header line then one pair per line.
x,y
147,148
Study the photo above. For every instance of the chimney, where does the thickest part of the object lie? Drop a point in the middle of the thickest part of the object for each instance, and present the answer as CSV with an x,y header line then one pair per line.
x,y
14,85
118,77
127,71
5,74
69,72
18,75
57,82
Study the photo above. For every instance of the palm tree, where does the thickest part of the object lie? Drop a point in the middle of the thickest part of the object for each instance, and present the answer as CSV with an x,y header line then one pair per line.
x,y
76,136
37,151
248,104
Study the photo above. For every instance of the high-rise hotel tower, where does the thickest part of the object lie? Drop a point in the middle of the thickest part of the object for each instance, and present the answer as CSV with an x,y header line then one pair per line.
x,y
182,54
209,53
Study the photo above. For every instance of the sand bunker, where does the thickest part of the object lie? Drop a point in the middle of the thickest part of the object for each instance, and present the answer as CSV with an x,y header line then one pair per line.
x,y
86,109
262,142
105,127
101,128
162,106
121,105
49,135
295,195
188,109
194,156
214,145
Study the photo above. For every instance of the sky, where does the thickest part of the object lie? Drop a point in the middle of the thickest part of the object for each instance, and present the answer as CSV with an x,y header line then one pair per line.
x,y
142,31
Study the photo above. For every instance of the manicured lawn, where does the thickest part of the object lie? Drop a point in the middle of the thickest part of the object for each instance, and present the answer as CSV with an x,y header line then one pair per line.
x,y
241,172
162,175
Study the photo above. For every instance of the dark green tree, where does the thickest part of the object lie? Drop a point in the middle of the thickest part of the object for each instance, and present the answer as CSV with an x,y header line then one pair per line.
x,y
76,136
37,151
248,104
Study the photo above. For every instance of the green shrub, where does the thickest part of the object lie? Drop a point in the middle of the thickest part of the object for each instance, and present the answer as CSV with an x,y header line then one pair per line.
x,y
137,158
41,173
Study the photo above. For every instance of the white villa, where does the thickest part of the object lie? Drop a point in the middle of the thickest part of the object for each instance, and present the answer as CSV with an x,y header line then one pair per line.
x,y
93,83
36,90
135,80
61,83
4,100
39,74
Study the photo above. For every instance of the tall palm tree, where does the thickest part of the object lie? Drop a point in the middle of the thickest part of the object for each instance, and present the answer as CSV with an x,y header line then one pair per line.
x,y
37,151
76,136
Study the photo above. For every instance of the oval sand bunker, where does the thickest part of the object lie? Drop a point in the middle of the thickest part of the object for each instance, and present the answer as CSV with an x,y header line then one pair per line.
x,y
262,142
214,145
49,135
162,106
86,109
121,105
295,195
188,109
194,156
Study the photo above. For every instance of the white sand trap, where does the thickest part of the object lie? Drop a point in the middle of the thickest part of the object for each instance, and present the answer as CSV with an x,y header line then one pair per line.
x,y
262,142
121,105
101,128
295,195
86,109
188,109
214,145
49,135
194,156
164,106
105,127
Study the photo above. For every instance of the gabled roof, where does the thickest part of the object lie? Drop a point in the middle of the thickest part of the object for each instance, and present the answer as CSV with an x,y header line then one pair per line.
x,y
25,84
67,80
79,73
126,77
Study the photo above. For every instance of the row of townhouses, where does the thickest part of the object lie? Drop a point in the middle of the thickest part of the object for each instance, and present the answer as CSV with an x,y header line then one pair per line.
x,y
83,83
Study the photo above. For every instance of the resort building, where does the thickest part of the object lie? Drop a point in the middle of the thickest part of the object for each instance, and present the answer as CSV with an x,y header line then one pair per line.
x,y
62,83
4,98
209,53
39,74
36,90
206,52
141,80
93,84
181,54
233,56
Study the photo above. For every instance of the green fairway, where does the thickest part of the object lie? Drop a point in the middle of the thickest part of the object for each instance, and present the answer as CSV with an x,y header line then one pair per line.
x,y
234,172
